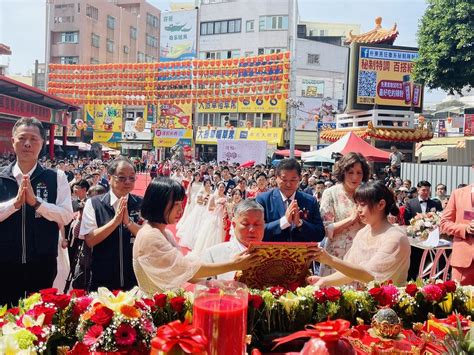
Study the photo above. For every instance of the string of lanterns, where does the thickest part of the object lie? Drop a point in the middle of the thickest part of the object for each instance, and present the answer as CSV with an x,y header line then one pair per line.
x,y
190,81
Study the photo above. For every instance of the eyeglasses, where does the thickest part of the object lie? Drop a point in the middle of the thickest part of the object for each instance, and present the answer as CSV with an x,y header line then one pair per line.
x,y
123,179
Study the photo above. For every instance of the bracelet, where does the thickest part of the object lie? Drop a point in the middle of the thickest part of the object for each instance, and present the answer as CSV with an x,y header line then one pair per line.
x,y
130,222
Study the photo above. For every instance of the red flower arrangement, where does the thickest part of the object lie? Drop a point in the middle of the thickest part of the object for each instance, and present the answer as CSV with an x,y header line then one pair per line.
x,y
385,296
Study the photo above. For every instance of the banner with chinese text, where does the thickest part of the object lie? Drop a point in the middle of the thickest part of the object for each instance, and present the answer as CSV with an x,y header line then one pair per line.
x,y
101,117
178,35
175,116
168,138
210,135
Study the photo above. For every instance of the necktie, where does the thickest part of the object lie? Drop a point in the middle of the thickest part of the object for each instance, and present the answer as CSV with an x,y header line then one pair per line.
x,y
423,201
288,202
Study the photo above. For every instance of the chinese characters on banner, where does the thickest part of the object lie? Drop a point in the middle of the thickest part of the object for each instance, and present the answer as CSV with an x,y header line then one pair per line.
x,y
237,151
175,116
271,105
178,35
469,124
170,137
211,135
384,77
103,118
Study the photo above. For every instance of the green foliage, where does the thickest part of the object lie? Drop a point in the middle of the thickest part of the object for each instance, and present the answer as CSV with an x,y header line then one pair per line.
x,y
446,45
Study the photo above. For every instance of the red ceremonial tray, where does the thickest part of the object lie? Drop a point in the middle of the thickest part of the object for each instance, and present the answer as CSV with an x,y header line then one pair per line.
x,y
282,264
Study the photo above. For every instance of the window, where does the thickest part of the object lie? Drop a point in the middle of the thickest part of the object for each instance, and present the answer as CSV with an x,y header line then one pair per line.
x,y
249,26
141,57
269,50
92,12
261,51
63,6
94,60
152,20
313,58
221,27
269,23
95,40
70,37
248,54
133,32
151,41
110,22
126,49
323,32
64,19
69,60
110,46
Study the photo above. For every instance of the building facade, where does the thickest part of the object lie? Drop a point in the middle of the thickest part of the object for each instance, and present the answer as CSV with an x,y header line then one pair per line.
x,y
98,32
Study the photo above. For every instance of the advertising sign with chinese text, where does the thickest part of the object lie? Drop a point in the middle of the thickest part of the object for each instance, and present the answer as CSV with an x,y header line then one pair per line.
x,y
210,135
105,118
175,116
178,35
468,124
309,87
382,75
168,138
238,151
226,105
315,111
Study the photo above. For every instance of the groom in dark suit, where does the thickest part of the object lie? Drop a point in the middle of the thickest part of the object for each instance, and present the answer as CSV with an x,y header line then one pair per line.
x,y
290,215
421,204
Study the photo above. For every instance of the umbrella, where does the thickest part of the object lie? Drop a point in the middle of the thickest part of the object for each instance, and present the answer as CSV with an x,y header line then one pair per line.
x,y
286,152
248,164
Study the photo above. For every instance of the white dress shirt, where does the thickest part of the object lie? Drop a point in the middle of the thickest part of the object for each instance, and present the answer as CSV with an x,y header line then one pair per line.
x,y
89,222
283,220
60,212
423,205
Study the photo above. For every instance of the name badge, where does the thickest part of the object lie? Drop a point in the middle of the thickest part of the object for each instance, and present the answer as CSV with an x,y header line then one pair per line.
x,y
469,215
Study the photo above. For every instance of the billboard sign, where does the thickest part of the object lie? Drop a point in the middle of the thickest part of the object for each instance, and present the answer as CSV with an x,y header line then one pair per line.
x,y
382,75
237,151
178,35
309,87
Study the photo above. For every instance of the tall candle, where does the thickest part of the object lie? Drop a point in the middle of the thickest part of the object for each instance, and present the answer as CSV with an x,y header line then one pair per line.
x,y
223,318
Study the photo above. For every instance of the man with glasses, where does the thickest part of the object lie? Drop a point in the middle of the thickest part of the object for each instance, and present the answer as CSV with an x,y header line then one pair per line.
x,y
109,225
290,215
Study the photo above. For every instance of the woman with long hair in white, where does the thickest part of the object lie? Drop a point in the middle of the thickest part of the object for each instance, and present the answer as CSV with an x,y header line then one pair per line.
x,y
211,231
187,232
192,191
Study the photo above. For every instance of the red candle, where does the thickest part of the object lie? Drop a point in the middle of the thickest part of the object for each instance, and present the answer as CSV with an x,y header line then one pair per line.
x,y
224,322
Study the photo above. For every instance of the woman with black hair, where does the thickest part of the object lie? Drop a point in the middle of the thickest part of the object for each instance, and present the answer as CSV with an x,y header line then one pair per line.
x,y
380,251
157,261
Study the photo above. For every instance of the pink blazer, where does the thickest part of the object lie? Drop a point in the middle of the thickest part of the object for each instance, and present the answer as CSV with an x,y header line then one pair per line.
x,y
453,223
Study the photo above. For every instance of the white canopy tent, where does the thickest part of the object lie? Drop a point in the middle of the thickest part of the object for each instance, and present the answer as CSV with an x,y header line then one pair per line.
x,y
324,155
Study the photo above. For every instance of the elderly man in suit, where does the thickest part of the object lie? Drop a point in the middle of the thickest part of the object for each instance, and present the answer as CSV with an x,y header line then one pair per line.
x,y
420,204
290,215
248,226
458,220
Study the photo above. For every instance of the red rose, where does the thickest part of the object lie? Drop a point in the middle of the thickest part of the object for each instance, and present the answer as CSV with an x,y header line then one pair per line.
x,y
125,335
450,286
60,301
48,291
80,306
256,301
319,296
433,293
48,312
102,316
115,292
14,311
77,293
80,349
160,300
411,289
177,303
332,294
38,331
144,303
292,286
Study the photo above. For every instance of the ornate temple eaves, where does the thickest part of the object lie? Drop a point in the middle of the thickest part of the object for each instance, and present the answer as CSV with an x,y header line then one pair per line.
x,y
381,133
378,35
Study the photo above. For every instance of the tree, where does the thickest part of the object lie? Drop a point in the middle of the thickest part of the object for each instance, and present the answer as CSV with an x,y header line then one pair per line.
x,y
446,45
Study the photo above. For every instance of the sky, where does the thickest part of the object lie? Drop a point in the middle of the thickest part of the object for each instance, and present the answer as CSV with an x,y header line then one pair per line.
x,y
22,24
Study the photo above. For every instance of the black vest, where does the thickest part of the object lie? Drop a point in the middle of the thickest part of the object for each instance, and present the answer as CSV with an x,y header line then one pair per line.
x,y
25,235
112,265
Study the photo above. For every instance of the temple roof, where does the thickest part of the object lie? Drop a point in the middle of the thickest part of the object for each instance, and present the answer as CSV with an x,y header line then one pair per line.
x,y
381,133
378,35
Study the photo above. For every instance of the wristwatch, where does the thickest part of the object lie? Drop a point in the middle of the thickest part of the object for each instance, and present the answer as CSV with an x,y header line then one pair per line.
x,y
38,203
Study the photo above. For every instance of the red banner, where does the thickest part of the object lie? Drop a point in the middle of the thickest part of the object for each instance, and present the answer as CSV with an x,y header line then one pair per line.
x,y
469,124
20,108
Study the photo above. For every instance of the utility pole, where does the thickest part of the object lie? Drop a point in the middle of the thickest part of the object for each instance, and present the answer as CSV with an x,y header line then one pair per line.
x,y
292,94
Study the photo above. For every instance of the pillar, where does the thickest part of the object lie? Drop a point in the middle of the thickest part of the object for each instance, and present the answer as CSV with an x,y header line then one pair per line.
x,y
51,141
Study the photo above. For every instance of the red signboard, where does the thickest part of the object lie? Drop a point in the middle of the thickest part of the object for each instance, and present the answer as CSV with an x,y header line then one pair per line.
x,y
469,124
20,108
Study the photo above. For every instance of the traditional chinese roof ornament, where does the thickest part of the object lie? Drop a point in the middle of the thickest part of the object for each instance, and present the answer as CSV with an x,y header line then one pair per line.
x,y
378,35
5,50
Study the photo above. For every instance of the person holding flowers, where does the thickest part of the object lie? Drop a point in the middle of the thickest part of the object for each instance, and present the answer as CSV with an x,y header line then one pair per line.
x,y
380,251
158,263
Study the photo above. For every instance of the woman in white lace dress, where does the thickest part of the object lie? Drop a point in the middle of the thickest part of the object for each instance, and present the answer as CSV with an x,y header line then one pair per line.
x,y
338,208
187,232
191,192
158,263
211,230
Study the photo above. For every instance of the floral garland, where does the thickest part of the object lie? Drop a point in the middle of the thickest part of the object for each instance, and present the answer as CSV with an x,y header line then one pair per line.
x,y
126,321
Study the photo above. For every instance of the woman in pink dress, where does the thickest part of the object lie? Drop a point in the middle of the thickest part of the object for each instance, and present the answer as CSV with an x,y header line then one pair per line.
x,y
380,251
338,208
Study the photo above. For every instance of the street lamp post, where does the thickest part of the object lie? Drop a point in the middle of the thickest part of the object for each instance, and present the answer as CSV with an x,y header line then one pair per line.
x,y
294,105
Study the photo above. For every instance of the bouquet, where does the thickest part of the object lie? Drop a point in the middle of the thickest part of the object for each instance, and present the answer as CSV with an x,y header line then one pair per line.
x,y
422,224
116,322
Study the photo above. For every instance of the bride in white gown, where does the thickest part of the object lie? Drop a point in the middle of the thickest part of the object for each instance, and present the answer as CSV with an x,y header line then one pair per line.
x,y
211,231
187,232
192,191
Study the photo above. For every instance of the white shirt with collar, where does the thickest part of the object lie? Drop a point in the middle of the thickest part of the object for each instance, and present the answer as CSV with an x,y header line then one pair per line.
x,y
60,212
89,222
221,253
283,220
424,206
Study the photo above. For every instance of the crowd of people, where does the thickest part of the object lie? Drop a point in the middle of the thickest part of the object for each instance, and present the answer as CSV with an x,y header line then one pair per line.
x,y
85,210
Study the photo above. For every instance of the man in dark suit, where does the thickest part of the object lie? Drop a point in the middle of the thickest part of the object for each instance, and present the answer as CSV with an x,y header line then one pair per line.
x,y
420,204
290,215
